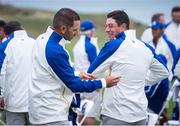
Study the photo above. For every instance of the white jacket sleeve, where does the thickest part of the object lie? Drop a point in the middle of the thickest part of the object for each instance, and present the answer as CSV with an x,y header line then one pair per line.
x,y
156,72
104,69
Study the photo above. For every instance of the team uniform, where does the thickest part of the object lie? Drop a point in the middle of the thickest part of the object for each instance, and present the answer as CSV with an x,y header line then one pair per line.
x,y
166,48
173,34
15,68
147,35
137,64
54,81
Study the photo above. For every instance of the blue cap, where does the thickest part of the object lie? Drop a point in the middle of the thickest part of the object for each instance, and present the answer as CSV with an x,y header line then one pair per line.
x,y
157,25
87,25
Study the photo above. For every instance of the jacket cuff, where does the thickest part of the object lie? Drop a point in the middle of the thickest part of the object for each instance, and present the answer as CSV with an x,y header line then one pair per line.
x,y
76,73
103,81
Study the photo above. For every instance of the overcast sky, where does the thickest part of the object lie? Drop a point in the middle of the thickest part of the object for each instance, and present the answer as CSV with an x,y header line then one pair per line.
x,y
140,10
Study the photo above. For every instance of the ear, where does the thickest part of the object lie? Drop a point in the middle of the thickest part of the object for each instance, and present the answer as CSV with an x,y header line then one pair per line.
x,y
63,29
123,26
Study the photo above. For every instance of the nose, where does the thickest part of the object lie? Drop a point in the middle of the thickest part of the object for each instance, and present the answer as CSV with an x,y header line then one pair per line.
x,y
106,29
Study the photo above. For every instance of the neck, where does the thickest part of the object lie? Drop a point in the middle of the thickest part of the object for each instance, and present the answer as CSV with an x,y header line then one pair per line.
x,y
155,41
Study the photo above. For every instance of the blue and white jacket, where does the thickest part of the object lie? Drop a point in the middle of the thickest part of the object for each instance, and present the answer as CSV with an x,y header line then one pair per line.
x,y
166,48
15,68
85,51
137,64
173,33
53,80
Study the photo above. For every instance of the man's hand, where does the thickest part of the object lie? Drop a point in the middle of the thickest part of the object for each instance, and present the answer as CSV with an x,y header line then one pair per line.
x,y
1,103
86,76
111,80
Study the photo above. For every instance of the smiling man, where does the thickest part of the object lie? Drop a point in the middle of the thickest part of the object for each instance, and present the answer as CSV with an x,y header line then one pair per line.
x,y
53,78
137,64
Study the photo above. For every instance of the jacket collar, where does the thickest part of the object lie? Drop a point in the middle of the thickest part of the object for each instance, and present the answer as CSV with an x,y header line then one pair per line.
x,y
120,35
19,33
128,33
56,37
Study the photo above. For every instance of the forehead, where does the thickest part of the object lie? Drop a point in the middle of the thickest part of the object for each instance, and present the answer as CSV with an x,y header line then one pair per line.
x,y
110,21
176,13
157,30
76,24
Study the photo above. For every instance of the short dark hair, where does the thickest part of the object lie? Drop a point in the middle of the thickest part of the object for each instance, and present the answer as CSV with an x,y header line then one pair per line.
x,y
175,9
156,17
65,16
2,23
11,27
120,16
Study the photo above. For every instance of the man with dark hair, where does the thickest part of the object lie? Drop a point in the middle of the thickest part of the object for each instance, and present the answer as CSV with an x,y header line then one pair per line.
x,y
11,27
173,29
147,34
137,64
158,17
2,34
53,79
15,67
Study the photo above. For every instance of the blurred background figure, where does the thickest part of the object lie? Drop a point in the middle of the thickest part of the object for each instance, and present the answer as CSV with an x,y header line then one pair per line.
x,y
15,66
85,51
173,29
162,45
147,34
86,48
2,34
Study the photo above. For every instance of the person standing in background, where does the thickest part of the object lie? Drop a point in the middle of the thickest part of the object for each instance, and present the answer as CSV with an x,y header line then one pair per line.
x,y
162,45
85,51
2,38
173,29
15,67
147,34
2,34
